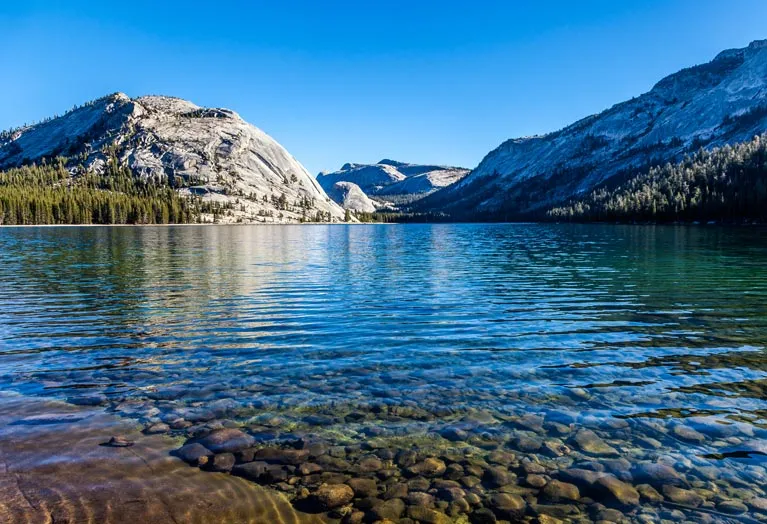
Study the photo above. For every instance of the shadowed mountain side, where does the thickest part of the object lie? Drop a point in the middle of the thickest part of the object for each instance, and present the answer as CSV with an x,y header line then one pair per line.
x,y
53,469
706,106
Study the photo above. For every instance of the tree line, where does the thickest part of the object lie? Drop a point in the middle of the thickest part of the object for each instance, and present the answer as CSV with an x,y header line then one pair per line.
x,y
726,184
53,193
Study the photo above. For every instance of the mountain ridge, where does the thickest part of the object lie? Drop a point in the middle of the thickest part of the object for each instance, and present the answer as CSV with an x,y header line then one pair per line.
x,y
207,153
390,182
708,105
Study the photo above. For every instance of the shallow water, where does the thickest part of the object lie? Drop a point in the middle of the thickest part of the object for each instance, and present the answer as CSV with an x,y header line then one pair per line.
x,y
391,335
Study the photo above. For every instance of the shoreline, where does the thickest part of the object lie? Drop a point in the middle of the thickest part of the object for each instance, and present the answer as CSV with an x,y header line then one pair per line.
x,y
55,468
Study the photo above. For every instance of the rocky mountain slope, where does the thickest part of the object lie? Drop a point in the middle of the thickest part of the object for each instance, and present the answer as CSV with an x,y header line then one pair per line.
x,y
721,102
349,196
212,154
390,181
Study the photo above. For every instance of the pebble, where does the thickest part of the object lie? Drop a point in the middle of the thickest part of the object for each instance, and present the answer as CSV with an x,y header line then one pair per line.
x,y
548,519
610,515
536,481
406,458
227,440
498,476
454,434
427,515
222,463
689,434
483,516
531,422
656,474
683,496
503,458
370,465
253,471
388,510
419,498
309,468
649,493
558,490
624,493
507,506
581,477
419,484
527,443
592,444
363,487
431,467
330,496
118,442
397,491
194,454
156,429
732,507
282,456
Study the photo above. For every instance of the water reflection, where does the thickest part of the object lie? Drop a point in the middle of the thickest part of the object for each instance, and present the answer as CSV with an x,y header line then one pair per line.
x,y
380,332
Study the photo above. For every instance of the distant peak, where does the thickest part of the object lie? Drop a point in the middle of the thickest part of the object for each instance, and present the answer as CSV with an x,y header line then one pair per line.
x,y
756,45
389,162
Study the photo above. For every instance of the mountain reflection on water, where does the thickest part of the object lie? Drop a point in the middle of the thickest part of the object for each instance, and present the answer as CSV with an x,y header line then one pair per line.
x,y
446,339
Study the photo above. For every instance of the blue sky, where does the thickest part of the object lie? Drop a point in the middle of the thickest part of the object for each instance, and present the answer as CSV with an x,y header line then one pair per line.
x,y
334,82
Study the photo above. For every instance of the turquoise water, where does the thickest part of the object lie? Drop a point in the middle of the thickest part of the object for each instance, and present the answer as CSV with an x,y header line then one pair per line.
x,y
353,333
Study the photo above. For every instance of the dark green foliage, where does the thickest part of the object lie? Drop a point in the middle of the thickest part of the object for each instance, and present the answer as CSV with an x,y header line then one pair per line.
x,y
751,117
727,184
382,217
49,194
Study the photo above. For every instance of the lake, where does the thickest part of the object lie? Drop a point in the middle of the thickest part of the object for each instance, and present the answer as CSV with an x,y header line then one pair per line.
x,y
585,372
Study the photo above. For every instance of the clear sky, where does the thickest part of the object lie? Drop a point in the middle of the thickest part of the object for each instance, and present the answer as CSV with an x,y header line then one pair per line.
x,y
356,81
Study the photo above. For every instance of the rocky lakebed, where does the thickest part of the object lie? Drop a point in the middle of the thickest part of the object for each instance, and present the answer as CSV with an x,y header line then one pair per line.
x,y
403,462
411,373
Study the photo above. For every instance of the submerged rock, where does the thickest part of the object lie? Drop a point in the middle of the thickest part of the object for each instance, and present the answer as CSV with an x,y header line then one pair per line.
x,y
498,476
591,443
556,490
685,497
227,440
364,487
388,510
732,507
430,467
223,462
508,506
689,434
331,496
195,454
583,478
622,492
158,428
282,456
656,474
427,516
118,442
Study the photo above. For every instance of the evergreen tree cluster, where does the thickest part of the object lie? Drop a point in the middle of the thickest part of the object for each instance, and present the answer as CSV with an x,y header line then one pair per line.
x,y
48,193
727,184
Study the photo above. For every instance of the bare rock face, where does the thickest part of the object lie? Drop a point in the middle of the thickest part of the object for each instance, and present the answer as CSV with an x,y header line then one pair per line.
x,y
209,153
389,182
349,196
709,105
